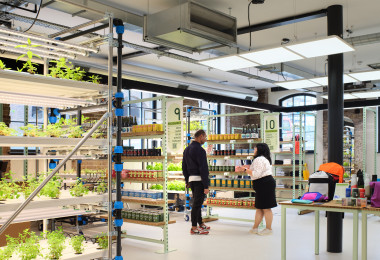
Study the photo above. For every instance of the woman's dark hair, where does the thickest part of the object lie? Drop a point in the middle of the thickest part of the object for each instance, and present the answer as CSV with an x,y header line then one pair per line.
x,y
263,150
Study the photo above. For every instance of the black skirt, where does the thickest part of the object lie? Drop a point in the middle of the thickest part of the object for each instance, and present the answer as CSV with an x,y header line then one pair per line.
x,y
265,189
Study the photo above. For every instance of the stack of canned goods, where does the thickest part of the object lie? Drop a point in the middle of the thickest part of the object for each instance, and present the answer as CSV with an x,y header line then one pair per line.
x,y
131,152
144,174
143,215
231,183
249,203
213,168
142,194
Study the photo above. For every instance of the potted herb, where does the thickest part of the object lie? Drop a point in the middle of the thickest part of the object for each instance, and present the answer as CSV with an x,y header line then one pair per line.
x,y
54,130
29,65
56,241
101,188
29,247
95,79
5,130
53,188
102,241
77,243
60,70
78,190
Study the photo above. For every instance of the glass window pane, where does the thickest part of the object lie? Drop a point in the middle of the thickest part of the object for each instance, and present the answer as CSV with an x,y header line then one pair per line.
x,y
287,102
299,101
32,114
17,112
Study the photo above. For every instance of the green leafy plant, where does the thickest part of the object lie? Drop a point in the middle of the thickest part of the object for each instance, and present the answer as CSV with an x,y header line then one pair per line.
x,y
177,185
157,167
66,70
56,241
5,130
53,188
2,66
29,247
102,187
156,187
77,244
95,79
55,130
7,252
102,240
29,185
8,187
79,189
175,167
32,130
29,65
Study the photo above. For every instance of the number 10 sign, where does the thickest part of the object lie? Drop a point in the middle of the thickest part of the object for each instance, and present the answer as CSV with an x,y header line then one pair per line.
x,y
272,132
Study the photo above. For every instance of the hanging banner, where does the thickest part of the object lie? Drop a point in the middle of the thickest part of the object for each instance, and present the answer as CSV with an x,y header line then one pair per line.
x,y
174,119
272,132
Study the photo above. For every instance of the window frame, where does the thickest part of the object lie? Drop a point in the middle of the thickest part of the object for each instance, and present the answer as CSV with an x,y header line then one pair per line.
x,y
292,96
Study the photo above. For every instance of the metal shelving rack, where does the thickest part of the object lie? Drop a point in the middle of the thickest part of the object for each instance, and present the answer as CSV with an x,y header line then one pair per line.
x,y
164,159
348,147
27,85
375,137
301,158
248,141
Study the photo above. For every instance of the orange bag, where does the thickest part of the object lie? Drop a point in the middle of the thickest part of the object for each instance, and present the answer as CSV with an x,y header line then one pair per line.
x,y
334,169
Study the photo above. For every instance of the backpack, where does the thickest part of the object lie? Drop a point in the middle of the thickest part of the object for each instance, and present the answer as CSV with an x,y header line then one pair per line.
x,y
323,183
336,170
375,199
314,196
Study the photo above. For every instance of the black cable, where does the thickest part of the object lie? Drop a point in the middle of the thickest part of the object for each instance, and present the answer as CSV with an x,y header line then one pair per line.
x,y
249,24
35,19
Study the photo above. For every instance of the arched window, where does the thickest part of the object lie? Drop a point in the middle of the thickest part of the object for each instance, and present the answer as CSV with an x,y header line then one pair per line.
x,y
288,120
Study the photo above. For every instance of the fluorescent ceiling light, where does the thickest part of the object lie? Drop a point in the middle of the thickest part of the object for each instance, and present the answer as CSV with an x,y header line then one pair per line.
x,y
226,63
345,96
271,56
315,48
36,50
44,101
324,81
42,39
296,84
366,75
368,94
20,51
53,47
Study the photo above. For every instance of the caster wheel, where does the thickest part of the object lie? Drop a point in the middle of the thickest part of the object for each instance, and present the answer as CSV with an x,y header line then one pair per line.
x,y
187,218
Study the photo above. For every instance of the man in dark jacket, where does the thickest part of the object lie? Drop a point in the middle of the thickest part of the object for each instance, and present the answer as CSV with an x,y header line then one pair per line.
x,y
195,171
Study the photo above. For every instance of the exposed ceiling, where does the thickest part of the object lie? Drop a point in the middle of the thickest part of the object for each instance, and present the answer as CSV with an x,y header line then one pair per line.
x,y
361,17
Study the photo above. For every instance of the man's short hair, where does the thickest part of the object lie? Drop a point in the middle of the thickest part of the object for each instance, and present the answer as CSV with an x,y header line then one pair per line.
x,y
199,133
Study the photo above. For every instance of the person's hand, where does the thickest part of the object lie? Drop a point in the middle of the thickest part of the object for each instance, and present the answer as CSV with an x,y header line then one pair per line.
x,y
188,185
240,169
206,191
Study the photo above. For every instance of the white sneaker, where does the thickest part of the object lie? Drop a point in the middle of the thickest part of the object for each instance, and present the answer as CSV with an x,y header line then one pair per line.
x,y
254,231
265,232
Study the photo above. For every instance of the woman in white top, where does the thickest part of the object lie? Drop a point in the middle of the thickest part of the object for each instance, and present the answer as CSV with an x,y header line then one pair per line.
x,y
264,186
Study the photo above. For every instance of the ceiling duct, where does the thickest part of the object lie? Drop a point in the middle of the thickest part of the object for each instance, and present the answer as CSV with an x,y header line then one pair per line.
x,y
190,27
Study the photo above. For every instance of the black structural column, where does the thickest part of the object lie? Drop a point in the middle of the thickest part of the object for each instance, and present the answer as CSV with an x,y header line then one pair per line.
x,y
118,151
335,121
79,162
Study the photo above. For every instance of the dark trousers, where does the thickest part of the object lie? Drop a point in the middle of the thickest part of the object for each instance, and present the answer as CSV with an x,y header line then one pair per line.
x,y
198,198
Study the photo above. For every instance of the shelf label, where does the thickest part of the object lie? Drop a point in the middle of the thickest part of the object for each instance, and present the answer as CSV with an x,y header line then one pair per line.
x,y
250,141
174,127
226,157
249,157
233,141
271,132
